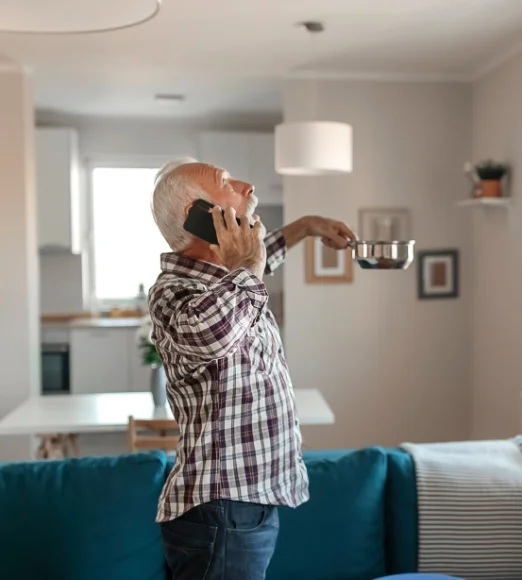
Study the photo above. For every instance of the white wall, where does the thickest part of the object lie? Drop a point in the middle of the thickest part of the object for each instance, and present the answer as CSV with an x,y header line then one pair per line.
x,y
19,348
497,240
392,367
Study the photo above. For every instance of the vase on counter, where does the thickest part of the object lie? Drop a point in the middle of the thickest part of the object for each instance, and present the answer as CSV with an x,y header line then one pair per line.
x,y
158,385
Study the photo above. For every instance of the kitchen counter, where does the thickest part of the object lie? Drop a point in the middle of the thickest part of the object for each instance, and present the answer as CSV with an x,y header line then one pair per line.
x,y
93,323
105,323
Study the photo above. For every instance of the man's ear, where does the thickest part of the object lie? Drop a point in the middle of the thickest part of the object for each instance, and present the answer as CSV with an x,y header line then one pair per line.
x,y
189,207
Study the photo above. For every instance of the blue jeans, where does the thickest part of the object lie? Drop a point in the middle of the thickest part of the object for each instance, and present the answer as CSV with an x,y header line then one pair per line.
x,y
221,540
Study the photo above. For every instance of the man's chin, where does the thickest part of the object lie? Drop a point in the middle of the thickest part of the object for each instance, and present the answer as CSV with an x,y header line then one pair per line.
x,y
252,204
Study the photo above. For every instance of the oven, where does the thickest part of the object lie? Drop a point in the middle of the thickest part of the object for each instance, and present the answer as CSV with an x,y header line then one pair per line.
x,y
55,369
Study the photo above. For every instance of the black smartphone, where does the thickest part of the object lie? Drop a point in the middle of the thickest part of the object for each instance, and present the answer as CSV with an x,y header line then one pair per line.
x,y
200,223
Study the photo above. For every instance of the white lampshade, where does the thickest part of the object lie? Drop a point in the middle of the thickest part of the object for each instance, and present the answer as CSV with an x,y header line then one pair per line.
x,y
68,16
313,148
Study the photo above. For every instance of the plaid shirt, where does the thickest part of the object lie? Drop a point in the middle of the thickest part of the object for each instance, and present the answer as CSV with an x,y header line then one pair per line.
x,y
228,386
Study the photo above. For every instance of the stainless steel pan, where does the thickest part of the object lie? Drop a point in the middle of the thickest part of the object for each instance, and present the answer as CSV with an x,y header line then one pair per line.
x,y
383,255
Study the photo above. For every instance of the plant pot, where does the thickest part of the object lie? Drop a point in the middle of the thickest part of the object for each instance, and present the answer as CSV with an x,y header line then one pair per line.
x,y
490,188
158,386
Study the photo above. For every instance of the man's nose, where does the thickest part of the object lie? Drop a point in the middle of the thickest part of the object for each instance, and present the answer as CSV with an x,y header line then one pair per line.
x,y
245,189
248,189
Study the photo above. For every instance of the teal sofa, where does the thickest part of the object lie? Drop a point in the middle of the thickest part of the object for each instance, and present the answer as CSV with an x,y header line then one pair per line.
x,y
93,518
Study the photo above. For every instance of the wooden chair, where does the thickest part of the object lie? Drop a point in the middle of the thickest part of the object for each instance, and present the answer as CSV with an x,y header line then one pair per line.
x,y
160,440
57,446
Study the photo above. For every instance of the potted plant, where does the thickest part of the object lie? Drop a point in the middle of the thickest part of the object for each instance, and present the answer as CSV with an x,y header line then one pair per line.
x,y
151,358
490,175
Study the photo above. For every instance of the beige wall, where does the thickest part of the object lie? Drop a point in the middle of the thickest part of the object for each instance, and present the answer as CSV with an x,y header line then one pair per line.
x,y
19,341
392,367
497,239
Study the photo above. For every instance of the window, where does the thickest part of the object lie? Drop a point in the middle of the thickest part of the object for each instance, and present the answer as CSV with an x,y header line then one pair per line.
x,y
126,243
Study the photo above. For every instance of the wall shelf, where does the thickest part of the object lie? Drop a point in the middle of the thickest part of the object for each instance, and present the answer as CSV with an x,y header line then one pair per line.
x,y
486,202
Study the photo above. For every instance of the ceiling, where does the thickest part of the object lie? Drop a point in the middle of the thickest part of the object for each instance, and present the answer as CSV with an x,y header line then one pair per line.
x,y
230,56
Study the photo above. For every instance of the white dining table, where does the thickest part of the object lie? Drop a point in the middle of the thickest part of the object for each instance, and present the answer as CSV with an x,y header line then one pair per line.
x,y
109,412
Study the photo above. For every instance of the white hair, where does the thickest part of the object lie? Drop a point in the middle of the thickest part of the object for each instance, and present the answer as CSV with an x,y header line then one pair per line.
x,y
172,194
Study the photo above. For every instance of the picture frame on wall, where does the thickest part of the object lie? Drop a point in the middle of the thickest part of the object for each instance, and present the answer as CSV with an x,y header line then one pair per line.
x,y
385,224
438,274
325,265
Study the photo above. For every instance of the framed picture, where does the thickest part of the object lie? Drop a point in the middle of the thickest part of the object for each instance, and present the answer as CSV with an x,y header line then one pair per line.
x,y
325,265
438,274
384,224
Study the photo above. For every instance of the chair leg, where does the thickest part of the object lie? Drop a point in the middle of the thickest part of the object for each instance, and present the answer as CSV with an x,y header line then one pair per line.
x,y
43,449
54,446
73,438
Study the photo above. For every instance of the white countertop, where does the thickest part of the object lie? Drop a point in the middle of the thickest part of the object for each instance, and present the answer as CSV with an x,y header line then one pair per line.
x,y
110,412
94,323
105,323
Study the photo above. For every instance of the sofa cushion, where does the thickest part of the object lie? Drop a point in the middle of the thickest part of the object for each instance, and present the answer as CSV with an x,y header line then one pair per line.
x,y
339,533
402,520
82,519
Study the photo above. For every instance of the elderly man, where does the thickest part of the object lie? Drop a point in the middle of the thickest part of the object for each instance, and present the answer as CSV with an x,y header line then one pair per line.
x,y
239,454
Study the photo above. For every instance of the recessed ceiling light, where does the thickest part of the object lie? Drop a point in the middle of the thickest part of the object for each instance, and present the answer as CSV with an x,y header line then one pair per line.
x,y
79,17
169,98
312,26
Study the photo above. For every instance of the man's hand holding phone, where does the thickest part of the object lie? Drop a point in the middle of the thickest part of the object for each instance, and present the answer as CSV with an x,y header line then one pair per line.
x,y
240,246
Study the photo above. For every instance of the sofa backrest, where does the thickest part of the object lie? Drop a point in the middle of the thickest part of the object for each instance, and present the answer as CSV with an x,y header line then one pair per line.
x,y
82,519
339,533
94,518
402,520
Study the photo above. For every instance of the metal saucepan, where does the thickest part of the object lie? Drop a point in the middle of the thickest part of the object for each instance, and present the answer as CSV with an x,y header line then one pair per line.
x,y
383,255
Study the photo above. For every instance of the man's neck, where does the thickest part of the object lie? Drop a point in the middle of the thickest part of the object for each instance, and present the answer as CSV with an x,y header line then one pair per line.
x,y
201,251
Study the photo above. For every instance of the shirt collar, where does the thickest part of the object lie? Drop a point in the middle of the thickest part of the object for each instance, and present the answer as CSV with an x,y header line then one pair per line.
x,y
172,263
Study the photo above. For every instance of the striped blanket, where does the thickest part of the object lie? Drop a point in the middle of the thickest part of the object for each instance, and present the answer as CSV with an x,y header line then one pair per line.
x,y
470,508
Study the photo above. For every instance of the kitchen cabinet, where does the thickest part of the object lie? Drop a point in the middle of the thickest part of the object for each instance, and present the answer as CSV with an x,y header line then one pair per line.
x,y
248,156
106,360
58,189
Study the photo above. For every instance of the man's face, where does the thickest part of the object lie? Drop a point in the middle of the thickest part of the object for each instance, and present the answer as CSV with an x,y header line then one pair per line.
x,y
222,188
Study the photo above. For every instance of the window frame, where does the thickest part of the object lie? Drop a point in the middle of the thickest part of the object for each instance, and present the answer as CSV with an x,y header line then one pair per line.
x,y
100,162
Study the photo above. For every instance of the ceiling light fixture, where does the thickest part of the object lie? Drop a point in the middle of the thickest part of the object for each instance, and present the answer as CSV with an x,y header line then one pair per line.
x,y
169,98
313,147
312,26
67,17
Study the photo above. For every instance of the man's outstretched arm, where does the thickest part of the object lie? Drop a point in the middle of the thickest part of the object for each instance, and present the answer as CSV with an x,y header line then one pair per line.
x,y
334,234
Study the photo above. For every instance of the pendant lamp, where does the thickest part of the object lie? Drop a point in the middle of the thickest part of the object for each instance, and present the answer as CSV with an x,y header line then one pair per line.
x,y
313,148
74,17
